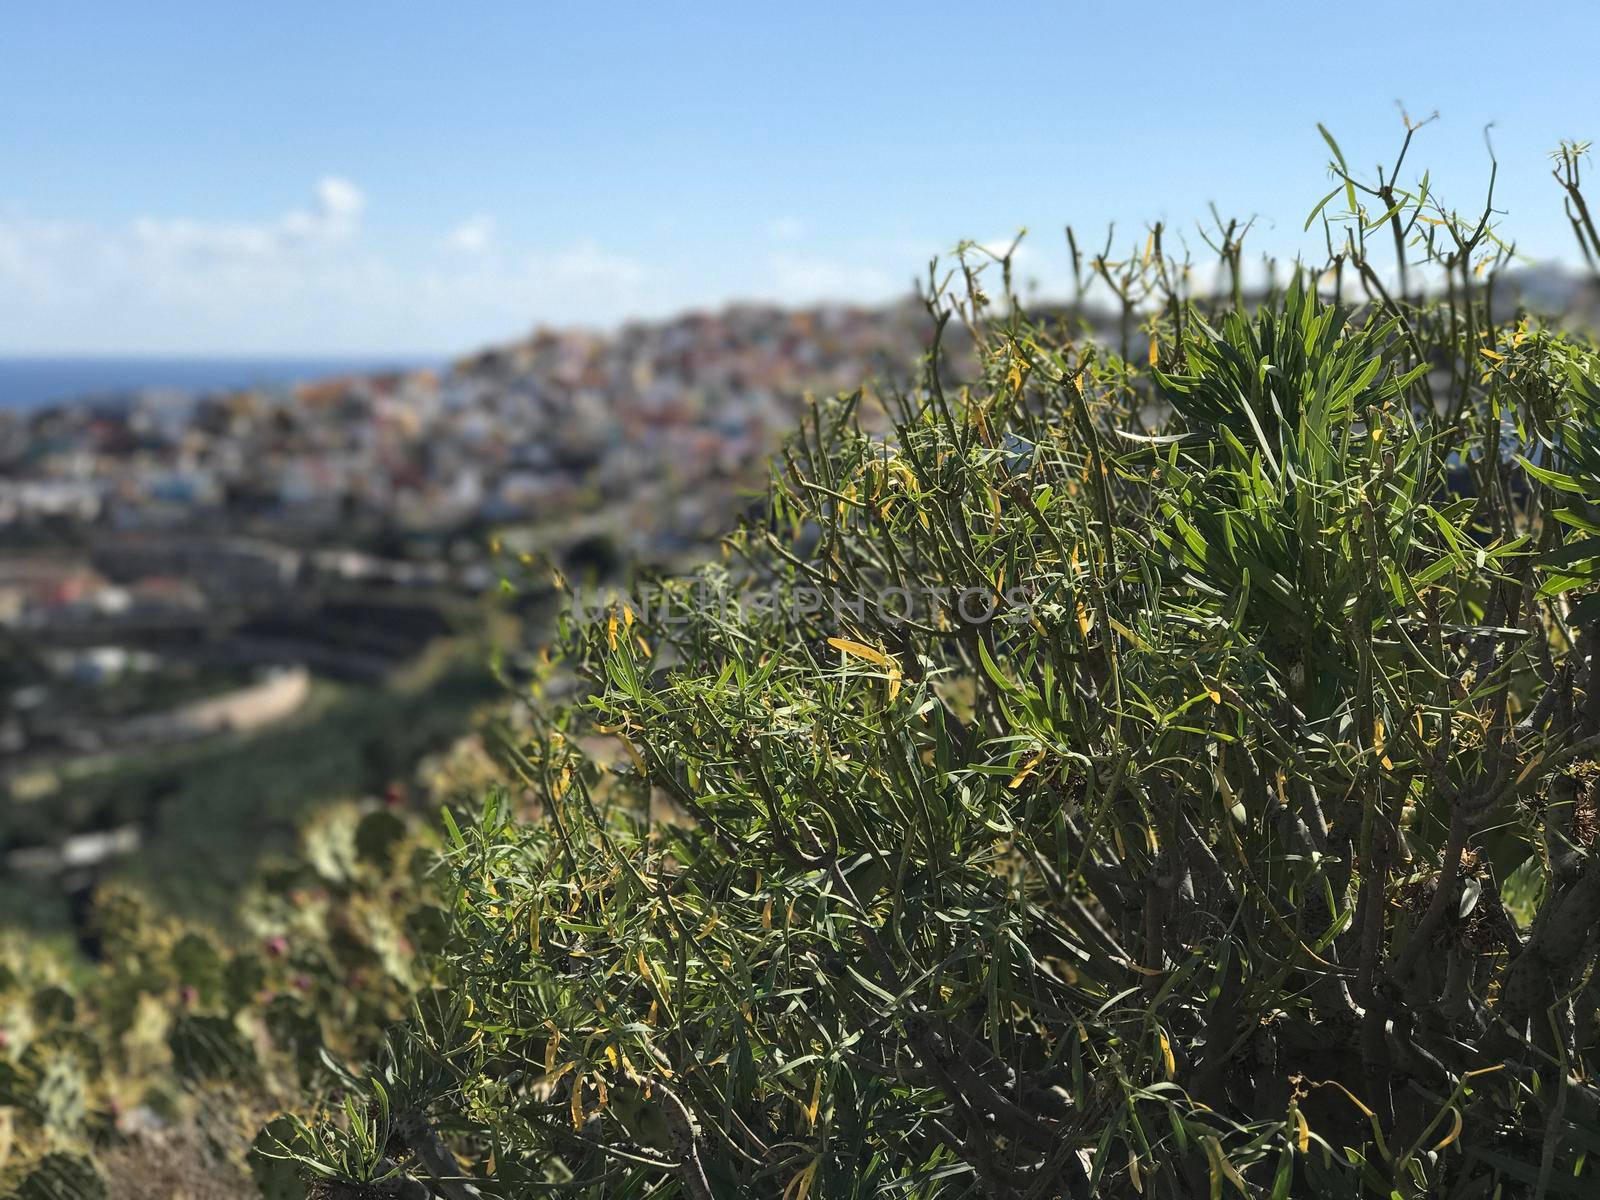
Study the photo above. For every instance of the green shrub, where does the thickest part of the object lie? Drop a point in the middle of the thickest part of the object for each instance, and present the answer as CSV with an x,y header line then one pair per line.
x,y
1221,821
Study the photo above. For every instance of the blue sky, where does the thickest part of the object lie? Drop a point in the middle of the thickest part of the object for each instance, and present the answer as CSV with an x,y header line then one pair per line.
x,y
382,178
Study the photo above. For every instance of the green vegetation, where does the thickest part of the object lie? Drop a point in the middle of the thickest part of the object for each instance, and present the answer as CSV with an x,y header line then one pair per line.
x,y
1163,770
230,804
210,810
149,1074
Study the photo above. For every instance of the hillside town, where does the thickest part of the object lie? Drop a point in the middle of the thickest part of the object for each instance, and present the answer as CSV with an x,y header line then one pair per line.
x,y
563,421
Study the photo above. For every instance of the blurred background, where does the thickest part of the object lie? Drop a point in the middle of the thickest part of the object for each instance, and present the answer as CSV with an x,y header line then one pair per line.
x,y
315,320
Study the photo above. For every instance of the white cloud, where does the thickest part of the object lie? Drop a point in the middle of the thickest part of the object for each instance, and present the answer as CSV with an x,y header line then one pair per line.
x,y
310,280
588,266
472,236
334,217
800,279
340,198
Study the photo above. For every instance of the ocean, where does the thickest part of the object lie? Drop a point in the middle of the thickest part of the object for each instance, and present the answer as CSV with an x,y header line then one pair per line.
x,y
37,382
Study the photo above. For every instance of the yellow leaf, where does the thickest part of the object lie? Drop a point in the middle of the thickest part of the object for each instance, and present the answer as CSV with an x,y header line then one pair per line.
x,y
816,1101
1134,1177
1120,628
800,1186
552,1078
1027,769
1167,1060
1302,1137
551,1046
1155,351
857,650
1492,356
611,631
766,916
577,1103
1455,1129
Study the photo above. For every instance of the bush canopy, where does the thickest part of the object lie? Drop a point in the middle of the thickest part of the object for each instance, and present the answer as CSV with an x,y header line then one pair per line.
x,y
1160,764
